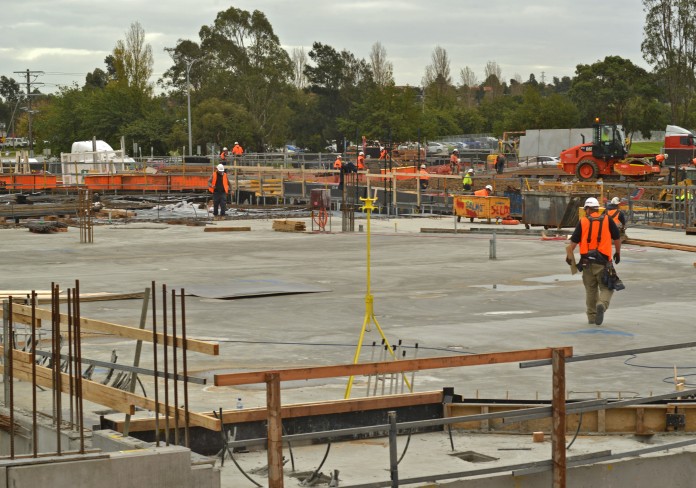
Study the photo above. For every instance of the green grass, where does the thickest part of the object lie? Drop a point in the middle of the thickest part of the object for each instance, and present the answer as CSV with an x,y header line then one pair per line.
x,y
646,147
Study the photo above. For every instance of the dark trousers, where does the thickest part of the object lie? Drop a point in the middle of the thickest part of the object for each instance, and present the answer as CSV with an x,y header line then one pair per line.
x,y
219,201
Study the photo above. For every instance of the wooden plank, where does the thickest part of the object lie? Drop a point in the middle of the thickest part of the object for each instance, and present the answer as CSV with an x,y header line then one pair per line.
x,y
661,245
204,347
275,432
558,407
308,409
337,371
92,391
227,229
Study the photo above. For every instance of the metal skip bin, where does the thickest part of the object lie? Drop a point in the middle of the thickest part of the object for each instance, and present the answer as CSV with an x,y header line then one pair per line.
x,y
474,207
552,209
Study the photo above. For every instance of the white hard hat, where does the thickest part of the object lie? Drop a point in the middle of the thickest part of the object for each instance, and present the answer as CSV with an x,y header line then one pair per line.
x,y
455,150
381,148
220,167
235,143
470,170
224,149
339,156
489,187
362,153
422,166
592,202
615,201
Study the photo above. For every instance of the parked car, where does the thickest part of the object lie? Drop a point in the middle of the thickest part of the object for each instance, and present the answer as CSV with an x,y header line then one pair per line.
x,y
437,148
540,162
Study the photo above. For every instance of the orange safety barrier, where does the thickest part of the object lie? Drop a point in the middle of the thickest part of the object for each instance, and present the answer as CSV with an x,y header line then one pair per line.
x,y
188,182
103,182
145,182
32,182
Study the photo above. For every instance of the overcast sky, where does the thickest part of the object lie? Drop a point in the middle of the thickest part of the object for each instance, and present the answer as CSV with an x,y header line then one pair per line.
x,y
66,39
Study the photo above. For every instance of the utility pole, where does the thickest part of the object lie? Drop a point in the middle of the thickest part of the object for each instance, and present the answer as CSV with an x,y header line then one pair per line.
x,y
29,74
189,63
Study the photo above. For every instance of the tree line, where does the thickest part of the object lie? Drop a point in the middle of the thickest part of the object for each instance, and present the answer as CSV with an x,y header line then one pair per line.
x,y
244,86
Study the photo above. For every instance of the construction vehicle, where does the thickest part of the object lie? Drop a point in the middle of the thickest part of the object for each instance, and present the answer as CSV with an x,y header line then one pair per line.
x,y
679,145
606,156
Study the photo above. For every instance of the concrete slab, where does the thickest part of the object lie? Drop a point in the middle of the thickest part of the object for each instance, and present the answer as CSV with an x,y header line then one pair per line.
x,y
440,291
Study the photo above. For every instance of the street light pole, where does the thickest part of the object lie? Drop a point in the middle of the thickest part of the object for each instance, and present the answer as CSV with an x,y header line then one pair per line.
x,y
189,63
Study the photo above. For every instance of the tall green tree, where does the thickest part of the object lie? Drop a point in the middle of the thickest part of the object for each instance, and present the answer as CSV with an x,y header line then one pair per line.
x,y
669,45
337,79
604,89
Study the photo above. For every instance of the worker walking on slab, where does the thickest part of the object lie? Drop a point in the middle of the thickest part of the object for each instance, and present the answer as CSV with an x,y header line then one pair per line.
x,y
595,233
617,215
219,186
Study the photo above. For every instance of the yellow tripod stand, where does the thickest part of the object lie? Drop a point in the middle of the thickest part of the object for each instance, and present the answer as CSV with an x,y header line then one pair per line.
x,y
369,304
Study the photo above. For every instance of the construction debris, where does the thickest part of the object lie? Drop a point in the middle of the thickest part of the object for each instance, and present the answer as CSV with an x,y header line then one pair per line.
x,y
289,226
114,213
44,227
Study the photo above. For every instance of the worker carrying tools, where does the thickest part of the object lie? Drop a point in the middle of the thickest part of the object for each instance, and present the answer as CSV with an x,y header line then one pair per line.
x,y
595,233
219,186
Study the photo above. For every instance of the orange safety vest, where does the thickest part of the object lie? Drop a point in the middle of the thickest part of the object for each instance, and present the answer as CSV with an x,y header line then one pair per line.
x,y
591,238
338,164
223,155
424,175
614,216
361,162
213,181
383,154
454,159
237,150
483,192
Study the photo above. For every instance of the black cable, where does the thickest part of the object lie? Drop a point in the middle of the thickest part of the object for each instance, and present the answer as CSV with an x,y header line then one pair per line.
x,y
292,458
408,441
577,431
316,471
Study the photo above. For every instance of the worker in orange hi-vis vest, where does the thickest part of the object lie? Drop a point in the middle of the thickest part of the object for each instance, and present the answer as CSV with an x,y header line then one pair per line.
x,y
455,166
382,153
338,164
424,178
484,192
361,161
237,150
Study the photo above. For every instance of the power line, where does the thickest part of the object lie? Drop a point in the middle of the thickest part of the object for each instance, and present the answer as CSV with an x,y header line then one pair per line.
x,y
29,74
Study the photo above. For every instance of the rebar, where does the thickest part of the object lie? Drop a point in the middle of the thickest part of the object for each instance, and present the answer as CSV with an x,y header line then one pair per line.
x,y
185,366
34,427
57,373
174,367
71,380
166,364
10,380
154,360
78,355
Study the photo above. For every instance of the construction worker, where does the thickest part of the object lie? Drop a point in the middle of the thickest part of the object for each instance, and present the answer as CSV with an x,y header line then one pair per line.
x,y
338,164
219,186
424,178
500,163
467,182
455,161
237,150
484,192
659,159
361,161
595,233
615,213
224,155
382,153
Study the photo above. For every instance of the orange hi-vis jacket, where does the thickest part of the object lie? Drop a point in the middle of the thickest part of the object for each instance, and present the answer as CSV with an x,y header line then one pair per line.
x,y
483,192
615,215
213,181
223,155
383,154
338,164
237,150
591,238
424,175
361,162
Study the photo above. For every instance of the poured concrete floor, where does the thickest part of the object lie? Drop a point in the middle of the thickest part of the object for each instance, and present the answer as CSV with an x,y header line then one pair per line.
x,y
440,291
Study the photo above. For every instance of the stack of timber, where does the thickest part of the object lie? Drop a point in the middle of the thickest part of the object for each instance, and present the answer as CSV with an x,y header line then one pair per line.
x,y
227,229
46,227
289,226
266,187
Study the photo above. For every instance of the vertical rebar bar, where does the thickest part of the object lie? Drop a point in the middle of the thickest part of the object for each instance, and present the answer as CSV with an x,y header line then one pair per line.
x,y
174,370
71,380
58,372
154,360
10,379
369,376
34,427
184,350
166,364
78,348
